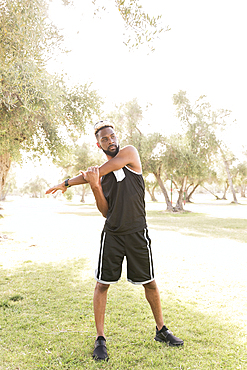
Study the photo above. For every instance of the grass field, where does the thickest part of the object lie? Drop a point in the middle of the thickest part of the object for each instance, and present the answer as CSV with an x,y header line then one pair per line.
x,y
199,224
47,323
46,313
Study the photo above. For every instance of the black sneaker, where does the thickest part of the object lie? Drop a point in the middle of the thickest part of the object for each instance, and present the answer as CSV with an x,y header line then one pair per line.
x,y
165,335
100,351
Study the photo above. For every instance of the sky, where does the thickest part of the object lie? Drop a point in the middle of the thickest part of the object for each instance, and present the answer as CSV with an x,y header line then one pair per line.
x,y
204,53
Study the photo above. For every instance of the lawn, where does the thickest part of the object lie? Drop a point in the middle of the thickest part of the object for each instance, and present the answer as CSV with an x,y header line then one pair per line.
x,y
46,311
199,224
47,323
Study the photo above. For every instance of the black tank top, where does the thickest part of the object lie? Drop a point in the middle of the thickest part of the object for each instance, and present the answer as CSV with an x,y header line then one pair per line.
x,y
124,191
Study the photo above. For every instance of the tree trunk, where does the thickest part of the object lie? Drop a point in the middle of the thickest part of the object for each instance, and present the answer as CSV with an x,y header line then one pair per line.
x,y
5,163
83,194
225,190
151,193
216,196
229,178
4,194
179,205
191,193
163,189
230,181
242,189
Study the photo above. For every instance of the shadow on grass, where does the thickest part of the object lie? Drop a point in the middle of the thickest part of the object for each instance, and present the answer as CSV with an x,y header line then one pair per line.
x,y
82,210
47,323
199,224
83,213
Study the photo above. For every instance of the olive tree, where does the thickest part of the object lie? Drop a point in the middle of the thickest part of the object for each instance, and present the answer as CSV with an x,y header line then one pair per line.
x,y
37,110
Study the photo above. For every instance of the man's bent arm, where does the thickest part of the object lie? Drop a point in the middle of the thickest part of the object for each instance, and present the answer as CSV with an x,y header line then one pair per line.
x,y
92,176
101,202
126,156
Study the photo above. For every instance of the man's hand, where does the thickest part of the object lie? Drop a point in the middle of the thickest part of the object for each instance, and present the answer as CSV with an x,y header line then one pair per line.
x,y
92,176
54,189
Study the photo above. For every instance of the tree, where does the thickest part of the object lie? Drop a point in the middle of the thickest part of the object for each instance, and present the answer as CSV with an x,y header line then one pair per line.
x,y
127,118
202,125
151,184
36,188
80,157
241,177
140,27
10,185
36,109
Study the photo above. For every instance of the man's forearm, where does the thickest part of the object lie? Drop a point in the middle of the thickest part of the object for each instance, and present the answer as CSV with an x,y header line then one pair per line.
x,y
78,180
101,202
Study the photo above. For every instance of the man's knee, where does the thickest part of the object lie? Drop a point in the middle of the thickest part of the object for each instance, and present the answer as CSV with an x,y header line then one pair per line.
x,y
152,285
101,288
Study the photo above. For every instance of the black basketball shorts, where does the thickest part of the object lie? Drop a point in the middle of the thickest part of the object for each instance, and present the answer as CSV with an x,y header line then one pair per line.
x,y
137,249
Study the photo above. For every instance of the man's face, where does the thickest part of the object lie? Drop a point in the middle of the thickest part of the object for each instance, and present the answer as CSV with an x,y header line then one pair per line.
x,y
108,142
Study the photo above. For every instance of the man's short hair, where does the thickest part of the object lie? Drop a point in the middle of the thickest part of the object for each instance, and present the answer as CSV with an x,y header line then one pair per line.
x,y
102,124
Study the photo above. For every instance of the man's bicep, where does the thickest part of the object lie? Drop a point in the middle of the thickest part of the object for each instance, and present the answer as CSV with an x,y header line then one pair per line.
x,y
113,164
127,156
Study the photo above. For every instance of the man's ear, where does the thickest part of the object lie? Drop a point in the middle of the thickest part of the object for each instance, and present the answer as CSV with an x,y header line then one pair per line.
x,y
98,145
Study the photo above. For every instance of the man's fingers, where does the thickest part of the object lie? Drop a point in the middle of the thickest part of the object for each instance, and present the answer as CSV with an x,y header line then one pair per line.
x,y
48,191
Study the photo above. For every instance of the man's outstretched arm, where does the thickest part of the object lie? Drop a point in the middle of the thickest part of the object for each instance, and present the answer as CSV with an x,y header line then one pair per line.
x,y
78,180
126,156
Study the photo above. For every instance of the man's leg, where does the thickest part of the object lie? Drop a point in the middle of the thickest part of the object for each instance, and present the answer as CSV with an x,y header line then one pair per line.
x,y
153,298
163,334
99,302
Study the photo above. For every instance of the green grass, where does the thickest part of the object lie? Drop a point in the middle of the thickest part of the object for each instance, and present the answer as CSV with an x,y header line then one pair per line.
x,y
47,323
199,224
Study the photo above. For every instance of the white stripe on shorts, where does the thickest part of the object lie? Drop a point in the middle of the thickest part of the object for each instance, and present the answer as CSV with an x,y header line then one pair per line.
x,y
101,255
149,252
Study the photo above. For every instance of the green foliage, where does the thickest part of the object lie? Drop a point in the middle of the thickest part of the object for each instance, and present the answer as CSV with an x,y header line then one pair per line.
x,y
35,188
79,157
141,28
201,129
241,173
36,109
69,194
127,118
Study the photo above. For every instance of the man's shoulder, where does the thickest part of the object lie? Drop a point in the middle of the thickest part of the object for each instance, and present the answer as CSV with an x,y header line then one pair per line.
x,y
128,148
132,158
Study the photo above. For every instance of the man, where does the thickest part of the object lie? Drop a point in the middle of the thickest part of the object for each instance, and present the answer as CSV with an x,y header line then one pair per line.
x,y
118,188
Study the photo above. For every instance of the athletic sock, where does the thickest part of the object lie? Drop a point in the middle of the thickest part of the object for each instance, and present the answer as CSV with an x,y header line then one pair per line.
x,y
100,337
164,328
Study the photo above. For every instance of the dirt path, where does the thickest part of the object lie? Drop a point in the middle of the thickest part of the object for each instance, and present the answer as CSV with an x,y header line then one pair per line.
x,y
211,274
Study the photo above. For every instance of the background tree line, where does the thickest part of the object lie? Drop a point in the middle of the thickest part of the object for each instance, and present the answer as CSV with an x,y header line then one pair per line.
x,y
38,111
41,115
194,157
